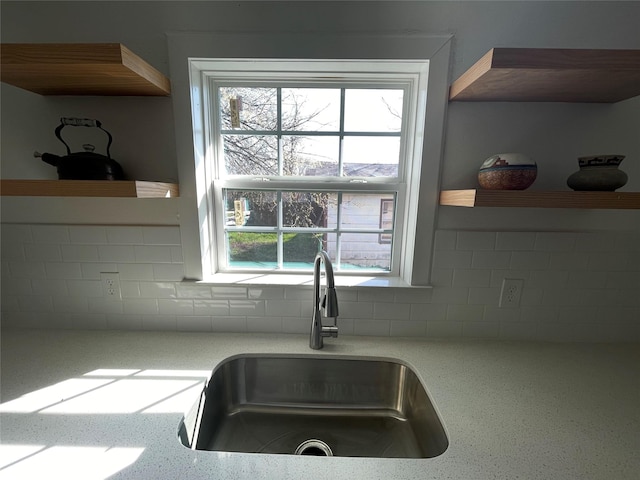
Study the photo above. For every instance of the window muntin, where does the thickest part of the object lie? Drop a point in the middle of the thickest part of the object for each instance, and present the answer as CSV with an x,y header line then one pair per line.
x,y
360,156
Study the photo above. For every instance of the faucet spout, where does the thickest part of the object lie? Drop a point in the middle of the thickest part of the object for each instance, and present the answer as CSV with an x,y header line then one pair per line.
x,y
328,303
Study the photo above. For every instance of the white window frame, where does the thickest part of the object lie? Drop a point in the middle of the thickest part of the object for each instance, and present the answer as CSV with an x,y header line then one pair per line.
x,y
411,77
186,50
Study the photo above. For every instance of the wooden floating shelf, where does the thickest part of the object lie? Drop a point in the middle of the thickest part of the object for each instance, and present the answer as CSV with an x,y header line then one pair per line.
x,y
524,198
79,69
88,188
550,75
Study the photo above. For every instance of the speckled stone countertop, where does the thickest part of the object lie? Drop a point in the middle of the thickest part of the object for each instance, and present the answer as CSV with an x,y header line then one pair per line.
x,y
91,405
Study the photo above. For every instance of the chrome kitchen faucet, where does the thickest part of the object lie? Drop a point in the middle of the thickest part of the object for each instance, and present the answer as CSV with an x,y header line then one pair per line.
x,y
329,303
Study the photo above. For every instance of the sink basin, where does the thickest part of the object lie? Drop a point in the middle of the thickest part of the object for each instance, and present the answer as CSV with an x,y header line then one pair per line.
x,y
315,405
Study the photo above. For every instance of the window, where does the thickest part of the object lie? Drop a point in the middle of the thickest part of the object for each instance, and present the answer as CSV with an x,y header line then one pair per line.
x,y
304,156
247,59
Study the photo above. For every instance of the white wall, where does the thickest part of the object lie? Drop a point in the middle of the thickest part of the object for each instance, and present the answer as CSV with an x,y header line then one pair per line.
x,y
144,142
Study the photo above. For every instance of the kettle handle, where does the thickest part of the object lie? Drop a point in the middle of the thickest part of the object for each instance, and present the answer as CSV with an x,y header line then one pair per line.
x,y
81,122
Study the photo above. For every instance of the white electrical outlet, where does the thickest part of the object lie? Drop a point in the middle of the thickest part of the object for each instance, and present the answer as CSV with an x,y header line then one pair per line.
x,y
511,292
111,285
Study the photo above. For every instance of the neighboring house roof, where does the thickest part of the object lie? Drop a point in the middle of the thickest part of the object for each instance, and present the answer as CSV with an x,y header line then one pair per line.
x,y
355,170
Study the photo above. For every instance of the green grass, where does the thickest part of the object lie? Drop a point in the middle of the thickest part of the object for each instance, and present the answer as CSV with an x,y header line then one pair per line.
x,y
262,247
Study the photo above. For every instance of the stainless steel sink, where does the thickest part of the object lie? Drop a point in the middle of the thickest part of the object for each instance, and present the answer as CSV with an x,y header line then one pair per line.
x,y
315,405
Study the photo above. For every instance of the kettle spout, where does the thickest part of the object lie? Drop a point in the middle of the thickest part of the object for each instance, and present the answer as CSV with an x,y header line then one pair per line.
x,y
49,158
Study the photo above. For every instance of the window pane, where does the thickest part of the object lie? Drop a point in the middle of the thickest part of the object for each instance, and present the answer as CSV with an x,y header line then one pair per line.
x,y
316,109
363,211
373,110
250,155
310,156
248,108
364,251
309,209
299,249
251,208
371,156
252,250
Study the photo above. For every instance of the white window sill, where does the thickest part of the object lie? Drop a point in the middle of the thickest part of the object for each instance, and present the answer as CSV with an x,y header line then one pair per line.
x,y
304,279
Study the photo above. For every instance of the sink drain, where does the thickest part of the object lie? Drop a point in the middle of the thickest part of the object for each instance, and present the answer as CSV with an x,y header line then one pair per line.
x,y
314,447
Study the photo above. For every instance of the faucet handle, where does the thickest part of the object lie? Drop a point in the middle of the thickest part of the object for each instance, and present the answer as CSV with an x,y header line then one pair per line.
x,y
330,302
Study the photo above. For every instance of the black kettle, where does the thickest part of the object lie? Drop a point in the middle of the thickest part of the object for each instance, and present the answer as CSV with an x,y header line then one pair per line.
x,y
86,165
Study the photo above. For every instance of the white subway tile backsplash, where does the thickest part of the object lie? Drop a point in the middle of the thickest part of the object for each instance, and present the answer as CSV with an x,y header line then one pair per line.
x,y
84,288
476,241
13,251
83,234
26,269
493,313
430,312
229,324
519,331
46,286
159,322
264,293
464,313
132,271
445,240
355,309
490,259
265,324
130,289
577,286
17,286
413,295
408,328
464,277
71,304
124,235
139,306
480,329
391,311
450,295
92,271
295,325
124,322
211,307
530,260
168,272
555,242
176,255
377,328
189,290
547,279
43,252
80,253
56,234
444,329
452,259
194,323
16,233
152,254
228,293
175,306
614,261
568,261
66,271
283,308
484,296
588,279
103,305
116,253
595,242
169,235
35,303
246,307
